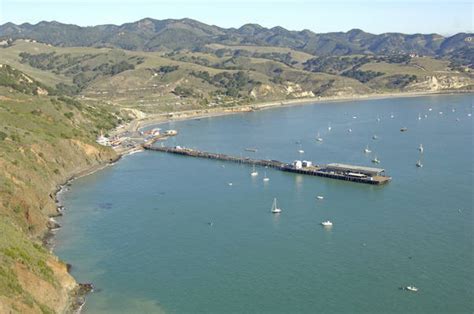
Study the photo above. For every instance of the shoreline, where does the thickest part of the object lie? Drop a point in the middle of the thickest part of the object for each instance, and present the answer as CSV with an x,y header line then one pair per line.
x,y
78,295
156,119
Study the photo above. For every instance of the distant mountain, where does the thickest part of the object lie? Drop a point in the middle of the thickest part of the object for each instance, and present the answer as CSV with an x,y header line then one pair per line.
x,y
153,35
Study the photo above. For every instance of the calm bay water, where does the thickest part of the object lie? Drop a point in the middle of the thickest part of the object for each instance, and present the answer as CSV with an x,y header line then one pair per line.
x,y
140,231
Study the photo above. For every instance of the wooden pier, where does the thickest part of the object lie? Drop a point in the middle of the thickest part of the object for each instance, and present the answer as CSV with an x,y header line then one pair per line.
x,y
368,175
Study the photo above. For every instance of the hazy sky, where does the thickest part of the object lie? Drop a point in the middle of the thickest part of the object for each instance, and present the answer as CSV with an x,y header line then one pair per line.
x,y
421,16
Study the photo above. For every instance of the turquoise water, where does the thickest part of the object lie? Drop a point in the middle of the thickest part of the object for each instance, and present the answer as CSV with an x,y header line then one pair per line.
x,y
140,231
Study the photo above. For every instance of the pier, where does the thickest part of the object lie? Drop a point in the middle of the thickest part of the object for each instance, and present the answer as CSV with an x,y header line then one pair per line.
x,y
359,174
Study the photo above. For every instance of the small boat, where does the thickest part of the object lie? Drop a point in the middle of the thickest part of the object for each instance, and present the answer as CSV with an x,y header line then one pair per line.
x,y
329,127
350,130
319,138
275,209
374,137
469,114
229,184
367,150
419,164
453,110
419,117
426,116
430,109
378,119
254,172
354,117
420,148
327,223
375,160
392,116
404,129
249,149
412,288
265,178
320,197
300,151
440,112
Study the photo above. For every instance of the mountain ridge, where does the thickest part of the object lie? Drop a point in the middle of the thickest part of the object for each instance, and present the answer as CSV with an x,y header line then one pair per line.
x,y
150,34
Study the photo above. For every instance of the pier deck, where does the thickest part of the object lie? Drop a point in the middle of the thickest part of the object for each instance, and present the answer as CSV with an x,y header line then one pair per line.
x,y
374,176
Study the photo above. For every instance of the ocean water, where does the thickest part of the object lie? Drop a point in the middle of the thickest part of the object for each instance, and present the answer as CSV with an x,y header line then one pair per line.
x,y
162,233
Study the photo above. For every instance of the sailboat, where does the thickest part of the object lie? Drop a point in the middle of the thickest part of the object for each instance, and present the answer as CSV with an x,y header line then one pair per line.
x,y
375,160
420,148
275,209
265,178
254,172
319,138
367,150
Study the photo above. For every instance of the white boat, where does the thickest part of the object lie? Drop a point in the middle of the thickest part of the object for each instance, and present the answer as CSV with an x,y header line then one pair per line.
x,y
412,288
419,117
378,119
392,116
453,110
354,117
230,183
440,112
420,148
329,127
319,138
265,178
374,137
419,164
367,150
326,223
275,209
469,114
254,172
300,151
375,160
430,109
350,130
319,197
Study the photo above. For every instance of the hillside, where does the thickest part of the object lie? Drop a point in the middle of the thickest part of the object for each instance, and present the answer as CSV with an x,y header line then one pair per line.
x,y
159,35
44,140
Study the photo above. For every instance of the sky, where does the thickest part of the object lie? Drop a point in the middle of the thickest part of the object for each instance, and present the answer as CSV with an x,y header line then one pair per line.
x,y
377,16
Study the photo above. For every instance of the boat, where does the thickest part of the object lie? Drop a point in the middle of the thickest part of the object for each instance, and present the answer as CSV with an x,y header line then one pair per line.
x,y
420,148
375,160
230,183
367,150
412,288
275,209
354,117
419,117
254,172
392,116
469,114
430,109
378,119
300,151
327,223
374,137
440,112
319,138
329,127
404,129
419,164
319,197
265,178
350,130
249,149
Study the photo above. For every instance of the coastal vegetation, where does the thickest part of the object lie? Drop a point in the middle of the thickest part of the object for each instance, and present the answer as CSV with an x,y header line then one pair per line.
x,y
44,140
61,85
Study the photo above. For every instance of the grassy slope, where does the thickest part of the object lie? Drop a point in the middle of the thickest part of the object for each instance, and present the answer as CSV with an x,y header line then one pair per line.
x,y
43,141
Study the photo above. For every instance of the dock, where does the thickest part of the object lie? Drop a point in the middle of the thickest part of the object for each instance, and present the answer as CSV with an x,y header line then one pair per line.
x,y
359,174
